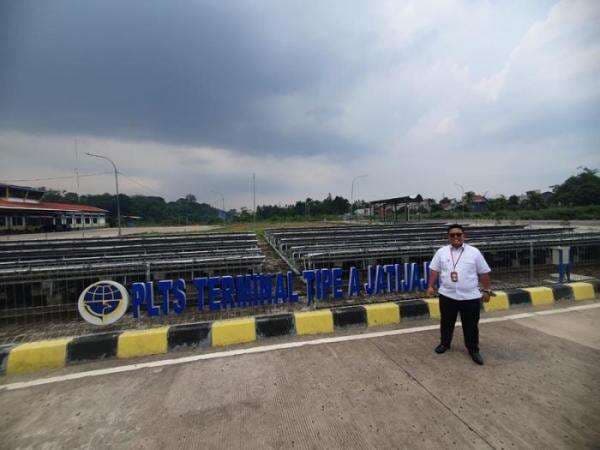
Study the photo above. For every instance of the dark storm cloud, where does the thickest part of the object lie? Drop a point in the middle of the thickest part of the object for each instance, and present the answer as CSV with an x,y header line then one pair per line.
x,y
201,73
196,96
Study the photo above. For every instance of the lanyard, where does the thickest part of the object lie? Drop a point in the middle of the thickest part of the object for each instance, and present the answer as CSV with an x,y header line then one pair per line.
x,y
454,264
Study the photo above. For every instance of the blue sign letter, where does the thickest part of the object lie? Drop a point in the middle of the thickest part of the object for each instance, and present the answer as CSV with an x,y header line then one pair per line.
x,y
214,293
152,310
309,278
227,291
379,280
180,297
164,287
138,297
200,284
336,274
353,282
280,290
325,285
292,296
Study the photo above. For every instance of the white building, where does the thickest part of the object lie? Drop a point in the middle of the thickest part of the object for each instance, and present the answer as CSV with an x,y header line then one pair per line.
x,y
23,209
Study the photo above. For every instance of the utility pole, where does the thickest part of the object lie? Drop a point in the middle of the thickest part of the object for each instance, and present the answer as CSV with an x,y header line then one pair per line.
x,y
76,169
461,198
77,186
352,191
116,186
222,201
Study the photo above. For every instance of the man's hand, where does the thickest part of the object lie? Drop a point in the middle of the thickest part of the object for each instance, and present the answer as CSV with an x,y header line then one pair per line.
x,y
485,296
431,292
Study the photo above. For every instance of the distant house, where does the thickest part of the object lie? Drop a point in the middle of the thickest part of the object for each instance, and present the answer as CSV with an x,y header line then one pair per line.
x,y
131,221
479,203
393,209
448,204
361,212
23,209
426,204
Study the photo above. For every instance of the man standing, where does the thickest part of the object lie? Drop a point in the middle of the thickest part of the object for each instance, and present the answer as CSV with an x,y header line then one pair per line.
x,y
462,267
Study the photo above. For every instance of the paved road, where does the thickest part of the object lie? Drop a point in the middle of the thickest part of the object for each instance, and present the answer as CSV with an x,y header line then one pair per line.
x,y
539,389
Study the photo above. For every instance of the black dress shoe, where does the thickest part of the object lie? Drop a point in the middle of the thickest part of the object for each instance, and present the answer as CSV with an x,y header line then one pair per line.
x,y
441,349
476,357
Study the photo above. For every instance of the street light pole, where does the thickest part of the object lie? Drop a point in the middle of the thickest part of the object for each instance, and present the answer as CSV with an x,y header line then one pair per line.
x,y
352,191
222,199
463,195
116,186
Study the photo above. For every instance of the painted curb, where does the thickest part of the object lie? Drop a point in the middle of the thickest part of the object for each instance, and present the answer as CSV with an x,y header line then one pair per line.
x,y
57,353
89,348
4,351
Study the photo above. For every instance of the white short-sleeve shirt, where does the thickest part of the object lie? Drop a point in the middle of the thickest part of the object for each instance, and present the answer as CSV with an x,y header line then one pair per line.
x,y
469,264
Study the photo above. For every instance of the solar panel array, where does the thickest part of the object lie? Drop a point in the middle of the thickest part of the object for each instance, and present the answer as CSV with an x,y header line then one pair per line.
x,y
42,279
37,259
309,248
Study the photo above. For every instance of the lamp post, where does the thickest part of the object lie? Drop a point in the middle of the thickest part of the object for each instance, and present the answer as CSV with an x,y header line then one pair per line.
x,y
355,179
461,198
222,199
116,185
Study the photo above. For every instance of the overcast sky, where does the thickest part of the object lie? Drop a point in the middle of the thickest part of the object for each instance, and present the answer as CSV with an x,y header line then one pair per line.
x,y
195,96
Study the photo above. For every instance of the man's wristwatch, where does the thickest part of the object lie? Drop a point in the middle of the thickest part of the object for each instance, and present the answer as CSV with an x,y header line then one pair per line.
x,y
486,291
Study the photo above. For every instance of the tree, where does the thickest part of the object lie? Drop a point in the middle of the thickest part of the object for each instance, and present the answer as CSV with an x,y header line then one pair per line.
x,y
54,196
468,200
513,202
579,190
340,205
498,204
150,209
534,200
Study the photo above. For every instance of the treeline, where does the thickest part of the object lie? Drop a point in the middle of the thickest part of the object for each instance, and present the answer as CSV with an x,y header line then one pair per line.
x,y
145,209
578,197
579,190
155,210
590,212
304,210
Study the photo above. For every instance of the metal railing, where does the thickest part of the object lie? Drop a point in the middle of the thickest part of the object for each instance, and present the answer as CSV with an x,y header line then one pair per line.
x,y
39,289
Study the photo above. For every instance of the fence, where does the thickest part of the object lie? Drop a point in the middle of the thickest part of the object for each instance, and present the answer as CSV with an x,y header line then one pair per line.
x,y
40,281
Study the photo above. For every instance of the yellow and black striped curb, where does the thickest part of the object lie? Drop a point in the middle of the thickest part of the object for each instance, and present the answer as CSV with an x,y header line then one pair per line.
x,y
56,353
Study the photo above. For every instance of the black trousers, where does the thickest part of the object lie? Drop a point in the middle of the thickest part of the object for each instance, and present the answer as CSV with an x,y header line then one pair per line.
x,y
469,316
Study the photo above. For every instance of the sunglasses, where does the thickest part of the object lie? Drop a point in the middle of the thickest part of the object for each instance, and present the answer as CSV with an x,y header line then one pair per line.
x,y
455,234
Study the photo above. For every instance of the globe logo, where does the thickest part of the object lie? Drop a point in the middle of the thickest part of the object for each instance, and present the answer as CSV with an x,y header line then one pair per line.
x,y
103,302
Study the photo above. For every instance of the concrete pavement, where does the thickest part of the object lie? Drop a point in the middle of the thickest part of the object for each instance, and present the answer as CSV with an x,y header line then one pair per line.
x,y
538,389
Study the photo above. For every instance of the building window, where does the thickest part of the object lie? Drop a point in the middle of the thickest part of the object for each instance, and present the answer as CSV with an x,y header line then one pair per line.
x,y
79,220
95,220
87,220
69,220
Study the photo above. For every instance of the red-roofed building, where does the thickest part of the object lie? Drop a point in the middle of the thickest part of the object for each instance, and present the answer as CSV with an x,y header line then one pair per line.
x,y
23,209
479,203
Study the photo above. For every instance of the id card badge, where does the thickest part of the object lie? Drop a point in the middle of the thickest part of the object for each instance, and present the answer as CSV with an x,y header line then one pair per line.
x,y
454,276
